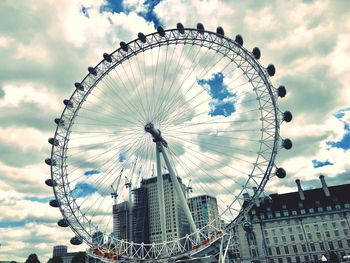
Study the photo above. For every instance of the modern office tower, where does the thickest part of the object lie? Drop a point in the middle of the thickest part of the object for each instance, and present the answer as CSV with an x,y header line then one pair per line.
x,y
204,209
176,222
140,216
121,222
97,238
59,251
298,227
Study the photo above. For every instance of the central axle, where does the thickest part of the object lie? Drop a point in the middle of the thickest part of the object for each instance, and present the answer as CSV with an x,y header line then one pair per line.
x,y
156,134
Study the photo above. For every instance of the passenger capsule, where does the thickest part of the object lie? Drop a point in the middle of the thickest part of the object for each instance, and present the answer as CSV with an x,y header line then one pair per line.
x,y
220,31
68,103
141,37
76,241
281,173
271,70
107,57
281,91
53,141
256,53
200,28
180,27
239,40
50,161
287,116
54,203
59,122
79,86
63,223
50,182
161,31
287,144
92,71
124,46
247,226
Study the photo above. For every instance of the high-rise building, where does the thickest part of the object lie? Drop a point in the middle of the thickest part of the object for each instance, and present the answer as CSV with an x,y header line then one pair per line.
x,y
59,251
175,219
297,227
121,221
140,216
204,209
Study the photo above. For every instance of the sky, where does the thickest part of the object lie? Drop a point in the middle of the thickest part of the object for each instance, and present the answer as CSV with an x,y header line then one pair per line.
x,y
46,46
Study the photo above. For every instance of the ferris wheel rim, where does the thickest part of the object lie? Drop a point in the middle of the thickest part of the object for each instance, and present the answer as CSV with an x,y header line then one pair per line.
x,y
71,203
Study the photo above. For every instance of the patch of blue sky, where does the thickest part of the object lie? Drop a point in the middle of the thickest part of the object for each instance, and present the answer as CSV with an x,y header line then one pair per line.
x,y
122,157
91,172
318,164
83,190
344,143
117,6
85,11
221,103
341,113
12,224
39,199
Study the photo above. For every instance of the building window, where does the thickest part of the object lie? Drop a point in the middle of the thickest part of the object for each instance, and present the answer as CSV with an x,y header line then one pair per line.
x,y
347,205
325,226
340,244
302,211
329,208
269,251
282,231
290,230
289,260
316,227
328,234
313,248
275,240
285,213
346,232
321,246
309,236
295,248
318,234
278,251
292,238
273,232
343,223
284,239
336,233
299,229
303,247
311,210
307,228
315,258
294,213
278,214
330,245
280,260
267,240
301,237
266,233
334,224
297,258
306,258
269,215
286,249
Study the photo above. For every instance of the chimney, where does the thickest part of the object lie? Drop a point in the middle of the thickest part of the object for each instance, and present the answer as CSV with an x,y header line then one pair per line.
x,y
257,200
324,186
300,190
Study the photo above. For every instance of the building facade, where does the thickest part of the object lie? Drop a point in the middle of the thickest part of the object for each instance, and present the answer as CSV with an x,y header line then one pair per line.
x,y
298,226
204,209
175,219
121,221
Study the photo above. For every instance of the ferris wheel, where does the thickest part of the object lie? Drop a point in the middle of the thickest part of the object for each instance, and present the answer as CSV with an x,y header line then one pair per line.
x,y
166,144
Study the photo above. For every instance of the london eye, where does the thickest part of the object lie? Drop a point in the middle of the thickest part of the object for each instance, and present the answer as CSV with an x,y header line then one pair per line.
x,y
165,124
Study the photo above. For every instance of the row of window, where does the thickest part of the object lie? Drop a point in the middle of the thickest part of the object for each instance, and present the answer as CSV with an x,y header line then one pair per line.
x,y
310,237
323,246
298,259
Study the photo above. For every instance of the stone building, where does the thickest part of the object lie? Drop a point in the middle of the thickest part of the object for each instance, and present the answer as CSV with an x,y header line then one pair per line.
x,y
297,227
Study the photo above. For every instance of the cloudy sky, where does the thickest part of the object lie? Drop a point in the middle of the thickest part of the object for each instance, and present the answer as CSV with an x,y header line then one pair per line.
x,y
46,46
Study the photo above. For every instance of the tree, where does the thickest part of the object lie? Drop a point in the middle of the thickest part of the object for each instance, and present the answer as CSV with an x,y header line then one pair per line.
x,y
79,258
33,258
